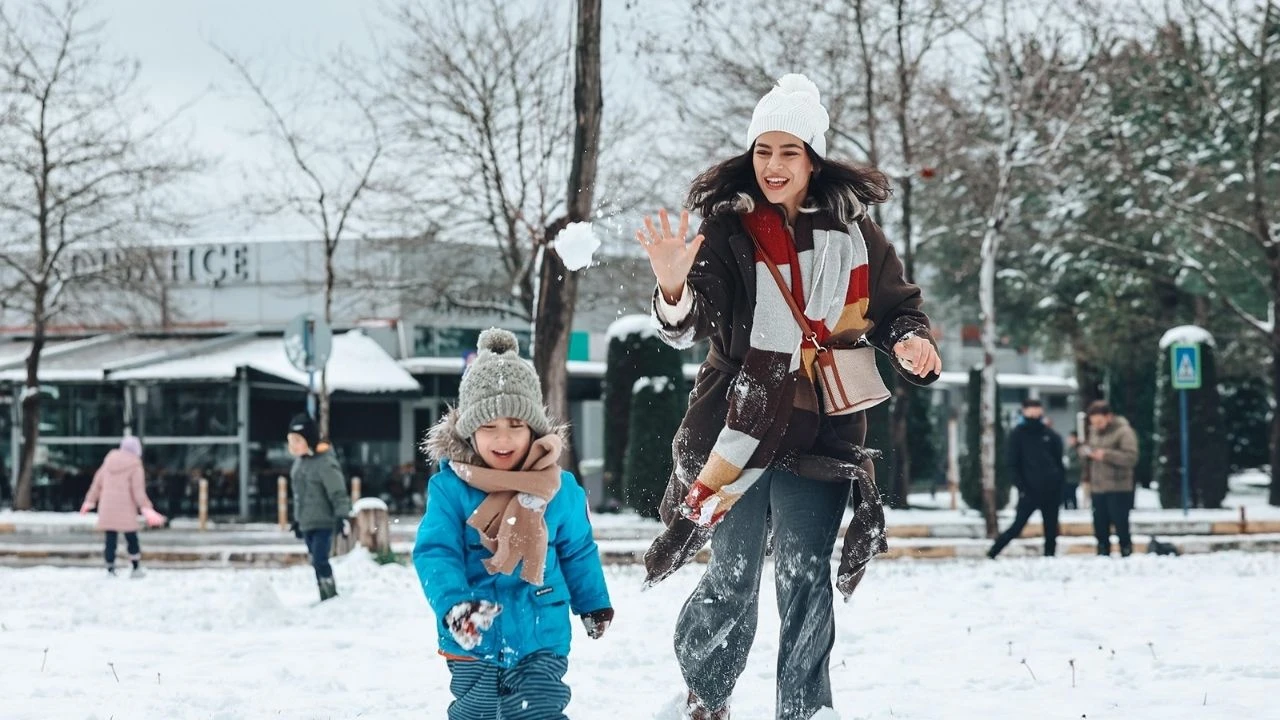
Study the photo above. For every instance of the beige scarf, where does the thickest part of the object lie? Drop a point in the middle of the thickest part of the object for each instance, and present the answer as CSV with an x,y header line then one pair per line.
x,y
511,519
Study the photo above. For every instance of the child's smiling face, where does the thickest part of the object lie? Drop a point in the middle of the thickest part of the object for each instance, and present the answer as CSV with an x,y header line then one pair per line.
x,y
503,443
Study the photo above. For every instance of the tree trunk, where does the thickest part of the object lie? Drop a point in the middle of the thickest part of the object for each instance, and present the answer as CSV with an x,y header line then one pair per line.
x,y
558,289
31,410
1274,495
322,422
987,301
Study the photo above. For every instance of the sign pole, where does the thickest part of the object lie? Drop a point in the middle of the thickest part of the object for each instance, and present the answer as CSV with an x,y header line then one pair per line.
x,y
1186,452
307,332
1186,372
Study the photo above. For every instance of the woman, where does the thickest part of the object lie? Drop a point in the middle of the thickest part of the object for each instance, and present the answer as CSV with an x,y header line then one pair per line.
x,y
119,491
756,450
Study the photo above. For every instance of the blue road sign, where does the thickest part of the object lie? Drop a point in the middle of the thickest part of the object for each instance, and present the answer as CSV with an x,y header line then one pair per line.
x,y
1185,366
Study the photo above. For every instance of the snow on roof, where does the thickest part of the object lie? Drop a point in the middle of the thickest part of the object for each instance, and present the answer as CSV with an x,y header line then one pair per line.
x,y
1186,335
643,325
88,360
577,368
357,364
1014,380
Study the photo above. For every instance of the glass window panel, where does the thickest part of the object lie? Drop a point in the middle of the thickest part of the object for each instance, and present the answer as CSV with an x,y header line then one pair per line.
x,y
82,411
190,410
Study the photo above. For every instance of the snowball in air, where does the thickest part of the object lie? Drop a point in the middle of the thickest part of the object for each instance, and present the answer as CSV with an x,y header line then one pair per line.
x,y
576,244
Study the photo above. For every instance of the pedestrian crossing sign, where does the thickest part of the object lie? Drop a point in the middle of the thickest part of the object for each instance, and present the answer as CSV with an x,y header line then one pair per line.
x,y
1185,365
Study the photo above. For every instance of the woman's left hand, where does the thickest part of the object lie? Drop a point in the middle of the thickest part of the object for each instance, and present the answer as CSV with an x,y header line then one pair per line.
x,y
918,356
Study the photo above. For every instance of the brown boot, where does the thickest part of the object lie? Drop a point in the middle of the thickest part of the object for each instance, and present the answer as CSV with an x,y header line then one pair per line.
x,y
697,711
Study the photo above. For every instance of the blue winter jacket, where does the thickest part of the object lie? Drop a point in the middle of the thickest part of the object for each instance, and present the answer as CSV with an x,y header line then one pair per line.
x,y
448,555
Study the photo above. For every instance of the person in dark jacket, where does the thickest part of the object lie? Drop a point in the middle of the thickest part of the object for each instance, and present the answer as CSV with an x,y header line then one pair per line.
x,y
1072,485
1035,461
320,500
761,447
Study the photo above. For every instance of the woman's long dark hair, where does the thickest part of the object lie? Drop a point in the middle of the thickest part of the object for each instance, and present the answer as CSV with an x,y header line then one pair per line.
x,y
842,189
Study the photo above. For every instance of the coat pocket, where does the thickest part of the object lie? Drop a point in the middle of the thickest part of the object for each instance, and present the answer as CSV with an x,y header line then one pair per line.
x,y
551,615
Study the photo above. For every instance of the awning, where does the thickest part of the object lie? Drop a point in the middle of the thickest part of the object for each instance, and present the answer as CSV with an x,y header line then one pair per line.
x,y
357,364
89,359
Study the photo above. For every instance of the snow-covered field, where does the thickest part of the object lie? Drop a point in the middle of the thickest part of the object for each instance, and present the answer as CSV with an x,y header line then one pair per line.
x,y
1151,637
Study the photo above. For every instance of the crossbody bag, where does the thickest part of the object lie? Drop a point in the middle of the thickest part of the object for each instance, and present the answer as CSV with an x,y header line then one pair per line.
x,y
848,379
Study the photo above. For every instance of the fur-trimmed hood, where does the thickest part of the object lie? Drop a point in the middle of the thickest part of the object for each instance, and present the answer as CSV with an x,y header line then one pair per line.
x,y
442,441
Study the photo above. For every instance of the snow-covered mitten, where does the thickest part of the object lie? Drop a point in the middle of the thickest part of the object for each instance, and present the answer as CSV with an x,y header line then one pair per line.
x,y
343,526
468,620
597,622
703,505
297,531
153,518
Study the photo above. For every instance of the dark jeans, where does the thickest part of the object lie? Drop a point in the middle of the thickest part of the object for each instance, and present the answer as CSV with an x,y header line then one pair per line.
x,y
1112,509
532,690
1069,501
718,622
130,541
1029,503
318,542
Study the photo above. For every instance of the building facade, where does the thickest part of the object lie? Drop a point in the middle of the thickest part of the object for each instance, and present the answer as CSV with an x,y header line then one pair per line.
x,y
185,350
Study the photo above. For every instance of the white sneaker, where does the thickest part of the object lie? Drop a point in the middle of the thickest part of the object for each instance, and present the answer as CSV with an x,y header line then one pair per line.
x,y
138,573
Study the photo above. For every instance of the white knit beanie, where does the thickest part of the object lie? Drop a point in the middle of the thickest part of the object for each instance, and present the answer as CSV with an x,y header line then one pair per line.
x,y
792,106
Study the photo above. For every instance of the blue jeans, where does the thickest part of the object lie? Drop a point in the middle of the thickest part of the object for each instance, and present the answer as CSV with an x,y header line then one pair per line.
x,y
318,542
718,623
532,690
130,541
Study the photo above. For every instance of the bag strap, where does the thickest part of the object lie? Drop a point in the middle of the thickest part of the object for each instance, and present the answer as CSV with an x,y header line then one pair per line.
x,y
809,333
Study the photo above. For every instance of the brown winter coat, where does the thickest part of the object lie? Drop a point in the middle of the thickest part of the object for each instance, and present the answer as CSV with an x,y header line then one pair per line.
x,y
1119,443
119,490
723,286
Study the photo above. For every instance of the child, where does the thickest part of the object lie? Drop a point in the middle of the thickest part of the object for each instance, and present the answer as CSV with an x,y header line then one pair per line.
x,y
119,489
320,500
505,549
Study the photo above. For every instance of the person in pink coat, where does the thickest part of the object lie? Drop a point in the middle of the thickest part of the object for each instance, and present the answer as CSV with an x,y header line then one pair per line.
x,y
119,491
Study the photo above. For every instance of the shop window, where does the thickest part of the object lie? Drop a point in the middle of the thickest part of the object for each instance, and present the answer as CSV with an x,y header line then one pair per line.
x,y
190,410
430,341
82,411
63,474
175,472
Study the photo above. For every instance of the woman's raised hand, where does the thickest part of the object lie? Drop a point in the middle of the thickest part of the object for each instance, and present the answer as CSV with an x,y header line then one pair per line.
x,y
669,255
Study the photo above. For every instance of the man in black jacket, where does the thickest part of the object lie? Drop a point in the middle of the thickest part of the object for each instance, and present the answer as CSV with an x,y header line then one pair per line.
x,y
1035,459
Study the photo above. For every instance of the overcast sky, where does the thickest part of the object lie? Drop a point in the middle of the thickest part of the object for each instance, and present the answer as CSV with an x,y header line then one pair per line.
x,y
280,39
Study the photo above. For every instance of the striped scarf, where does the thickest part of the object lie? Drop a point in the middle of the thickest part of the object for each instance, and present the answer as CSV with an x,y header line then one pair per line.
x,y
774,392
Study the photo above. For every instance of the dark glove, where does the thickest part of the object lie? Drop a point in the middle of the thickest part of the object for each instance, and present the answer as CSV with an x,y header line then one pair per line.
x,y
343,527
467,620
297,531
597,621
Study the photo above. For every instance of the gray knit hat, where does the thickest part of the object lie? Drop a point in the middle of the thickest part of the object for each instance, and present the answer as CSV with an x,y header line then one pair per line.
x,y
500,383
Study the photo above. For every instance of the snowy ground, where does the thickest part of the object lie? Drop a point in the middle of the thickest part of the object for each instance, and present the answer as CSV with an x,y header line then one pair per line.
x,y
1151,637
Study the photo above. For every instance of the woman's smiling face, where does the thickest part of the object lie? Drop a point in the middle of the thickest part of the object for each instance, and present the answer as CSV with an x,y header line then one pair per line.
x,y
782,169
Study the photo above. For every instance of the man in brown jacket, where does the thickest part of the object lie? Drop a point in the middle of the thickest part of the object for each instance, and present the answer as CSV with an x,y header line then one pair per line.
x,y
1109,456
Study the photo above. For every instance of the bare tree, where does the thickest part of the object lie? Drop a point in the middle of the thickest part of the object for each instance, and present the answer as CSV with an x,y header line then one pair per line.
x,y
893,45
558,287
480,92
324,174
1037,81
83,167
